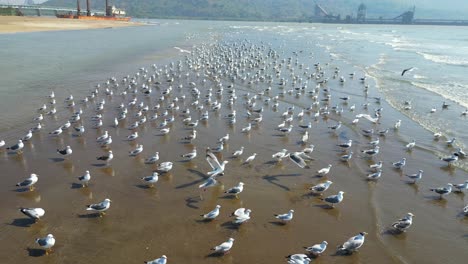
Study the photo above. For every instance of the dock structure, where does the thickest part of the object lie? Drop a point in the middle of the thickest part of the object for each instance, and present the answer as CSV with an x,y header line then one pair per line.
x,y
37,10
321,15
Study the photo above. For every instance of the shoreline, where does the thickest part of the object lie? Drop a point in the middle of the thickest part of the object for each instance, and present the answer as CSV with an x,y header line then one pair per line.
x,y
20,24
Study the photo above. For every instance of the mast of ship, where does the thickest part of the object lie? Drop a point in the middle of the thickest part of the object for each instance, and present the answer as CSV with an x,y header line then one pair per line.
x,y
88,9
107,8
78,9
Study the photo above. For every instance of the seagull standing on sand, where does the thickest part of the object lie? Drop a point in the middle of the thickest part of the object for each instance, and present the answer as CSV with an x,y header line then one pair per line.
x,y
100,207
165,166
136,151
285,217
249,159
152,159
241,215
324,171
461,187
33,213
404,223
107,158
151,180
191,155
320,188
65,152
334,199
236,189
399,164
224,247
18,147
354,243
317,249
212,214
85,179
238,152
415,177
374,176
161,260
29,182
443,190
298,259
46,243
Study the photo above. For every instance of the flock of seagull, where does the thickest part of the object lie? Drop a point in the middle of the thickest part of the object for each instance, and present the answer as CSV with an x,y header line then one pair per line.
x,y
240,62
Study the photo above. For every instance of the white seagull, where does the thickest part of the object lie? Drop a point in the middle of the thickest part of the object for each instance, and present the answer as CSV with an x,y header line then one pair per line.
x,y
99,207
224,247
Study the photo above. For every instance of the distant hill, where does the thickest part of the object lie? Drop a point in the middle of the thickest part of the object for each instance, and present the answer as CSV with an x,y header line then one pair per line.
x,y
263,10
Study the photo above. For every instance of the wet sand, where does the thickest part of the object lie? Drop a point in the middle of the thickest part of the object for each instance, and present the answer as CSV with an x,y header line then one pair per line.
x,y
16,24
145,223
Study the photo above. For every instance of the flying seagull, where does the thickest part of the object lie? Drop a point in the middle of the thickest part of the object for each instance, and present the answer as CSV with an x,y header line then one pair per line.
x,y
407,70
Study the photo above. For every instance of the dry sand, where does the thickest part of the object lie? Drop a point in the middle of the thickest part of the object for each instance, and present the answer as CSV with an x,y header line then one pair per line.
x,y
13,24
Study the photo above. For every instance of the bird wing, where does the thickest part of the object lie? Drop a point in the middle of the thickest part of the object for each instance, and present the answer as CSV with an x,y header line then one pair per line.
x,y
41,241
99,206
297,160
212,160
239,212
26,182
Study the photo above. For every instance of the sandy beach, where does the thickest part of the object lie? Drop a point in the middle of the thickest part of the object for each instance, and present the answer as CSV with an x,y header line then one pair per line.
x,y
14,24
244,78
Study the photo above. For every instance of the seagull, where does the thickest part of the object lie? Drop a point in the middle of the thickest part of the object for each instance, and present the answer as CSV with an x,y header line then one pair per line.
x,y
132,136
151,180
224,247
106,142
407,70
250,158
191,155
152,159
85,179
347,157
107,158
334,199
410,145
18,147
33,213
397,125
335,127
317,249
136,151
46,243
374,176
161,260
285,217
415,177
212,214
210,182
165,166
309,149
324,171
371,152
399,164
404,223
29,182
242,215
320,188
354,243
238,152
298,259
2,144
99,207
346,145
450,159
450,142
56,132
28,136
443,190
102,137
79,130
465,210
218,168
280,155
376,166
298,158
65,152
461,187
236,189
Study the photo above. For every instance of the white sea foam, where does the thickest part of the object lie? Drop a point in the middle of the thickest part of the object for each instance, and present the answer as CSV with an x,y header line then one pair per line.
x,y
444,59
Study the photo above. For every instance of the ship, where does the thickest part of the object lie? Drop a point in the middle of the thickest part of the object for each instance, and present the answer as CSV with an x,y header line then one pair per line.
x,y
112,13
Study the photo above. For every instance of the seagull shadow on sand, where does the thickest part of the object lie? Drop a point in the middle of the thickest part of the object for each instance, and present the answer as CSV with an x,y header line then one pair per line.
x,y
99,164
57,159
75,185
35,252
91,215
277,223
230,225
195,182
273,179
324,206
394,232
215,255
192,201
436,200
22,222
